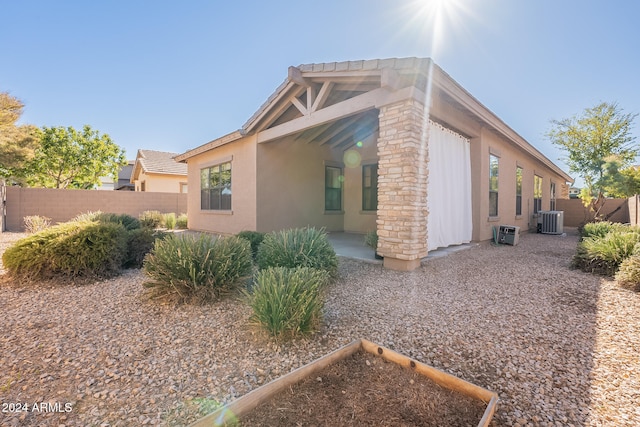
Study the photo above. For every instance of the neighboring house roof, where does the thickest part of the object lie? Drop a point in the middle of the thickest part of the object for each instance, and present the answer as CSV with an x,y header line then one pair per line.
x,y
313,88
157,162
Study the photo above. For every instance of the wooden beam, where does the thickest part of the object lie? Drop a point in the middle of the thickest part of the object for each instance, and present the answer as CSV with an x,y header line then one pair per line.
x,y
296,102
278,109
295,75
335,131
311,96
313,133
324,93
351,106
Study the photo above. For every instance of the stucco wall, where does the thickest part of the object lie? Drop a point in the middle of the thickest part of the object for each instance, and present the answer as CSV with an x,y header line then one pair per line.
x,y
160,183
355,220
290,187
62,205
242,216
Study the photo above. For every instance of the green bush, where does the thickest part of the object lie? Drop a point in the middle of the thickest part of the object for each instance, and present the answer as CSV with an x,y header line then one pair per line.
x,y
301,247
169,220
254,238
151,219
74,249
129,222
181,221
199,268
603,255
36,223
139,243
287,301
371,239
601,229
628,275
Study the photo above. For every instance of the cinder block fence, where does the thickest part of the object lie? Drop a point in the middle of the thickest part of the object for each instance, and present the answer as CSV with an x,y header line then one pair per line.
x,y
62,205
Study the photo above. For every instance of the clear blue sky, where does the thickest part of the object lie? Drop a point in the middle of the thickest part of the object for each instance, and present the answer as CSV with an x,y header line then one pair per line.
x,y
172,75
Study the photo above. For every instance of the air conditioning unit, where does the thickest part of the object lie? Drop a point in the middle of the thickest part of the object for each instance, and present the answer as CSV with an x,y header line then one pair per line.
x,y
550,222
509,235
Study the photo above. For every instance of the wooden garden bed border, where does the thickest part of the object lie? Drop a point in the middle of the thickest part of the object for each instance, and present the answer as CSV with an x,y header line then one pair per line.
x,y
249,401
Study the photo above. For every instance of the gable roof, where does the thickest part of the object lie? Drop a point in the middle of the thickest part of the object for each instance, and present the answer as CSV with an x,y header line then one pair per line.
x,y
157,162
312,89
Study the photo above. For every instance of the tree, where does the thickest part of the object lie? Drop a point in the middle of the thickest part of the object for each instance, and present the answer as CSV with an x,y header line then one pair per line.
x,y
618,182
17,143
592,138
67,158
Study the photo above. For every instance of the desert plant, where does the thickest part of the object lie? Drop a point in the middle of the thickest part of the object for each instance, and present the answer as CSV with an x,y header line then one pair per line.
x,y
199,268
603,255
287,301
300,247
74,249
254,238
600,229
181,221
628,274
139,243
169,220
151,219
36,223
127,221
371,239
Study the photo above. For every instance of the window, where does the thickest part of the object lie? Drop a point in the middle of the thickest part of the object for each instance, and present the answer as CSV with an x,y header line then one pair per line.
x,y
143,186
332,188
183,187
369,187
518,190
537,194
215,187
493,185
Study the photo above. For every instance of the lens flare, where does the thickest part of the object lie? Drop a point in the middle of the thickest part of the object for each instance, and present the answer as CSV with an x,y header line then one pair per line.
x,y
352,158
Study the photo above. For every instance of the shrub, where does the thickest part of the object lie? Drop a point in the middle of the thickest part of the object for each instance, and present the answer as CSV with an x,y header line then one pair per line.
x,y
628,275
254,238
151,219
74,249
301,247
601,229
603,255
199,268
371,239
35,223
287,301
127,221
139,243
181,221
169,220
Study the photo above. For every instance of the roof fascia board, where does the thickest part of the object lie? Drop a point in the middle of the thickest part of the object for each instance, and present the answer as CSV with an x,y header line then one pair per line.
x,y
233,136
373,99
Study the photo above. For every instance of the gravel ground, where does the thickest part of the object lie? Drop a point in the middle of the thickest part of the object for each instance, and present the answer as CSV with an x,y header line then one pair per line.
x,y
560,347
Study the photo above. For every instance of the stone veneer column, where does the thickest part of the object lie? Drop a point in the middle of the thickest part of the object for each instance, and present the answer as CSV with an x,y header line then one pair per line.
x,y
402,185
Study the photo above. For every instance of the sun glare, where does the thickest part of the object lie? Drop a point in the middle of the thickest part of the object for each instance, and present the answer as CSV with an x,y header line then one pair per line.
x,y
435,19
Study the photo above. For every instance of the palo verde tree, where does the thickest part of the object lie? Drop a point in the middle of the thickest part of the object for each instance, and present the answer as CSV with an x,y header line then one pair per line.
x,y
17,142
592,139
67,158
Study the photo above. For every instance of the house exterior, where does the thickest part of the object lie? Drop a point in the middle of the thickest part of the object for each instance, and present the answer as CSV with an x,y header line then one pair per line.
x,y
122,183
158,171
357,146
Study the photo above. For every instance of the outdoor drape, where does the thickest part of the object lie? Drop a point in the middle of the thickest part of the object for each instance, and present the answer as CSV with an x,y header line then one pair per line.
x,y
449,189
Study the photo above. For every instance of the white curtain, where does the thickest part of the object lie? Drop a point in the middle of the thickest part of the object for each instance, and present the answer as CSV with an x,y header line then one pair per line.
x,y
449,188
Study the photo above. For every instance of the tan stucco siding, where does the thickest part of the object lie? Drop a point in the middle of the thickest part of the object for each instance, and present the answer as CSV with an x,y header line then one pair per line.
x,y
355,220
242,216
159,183
290,186
510,158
